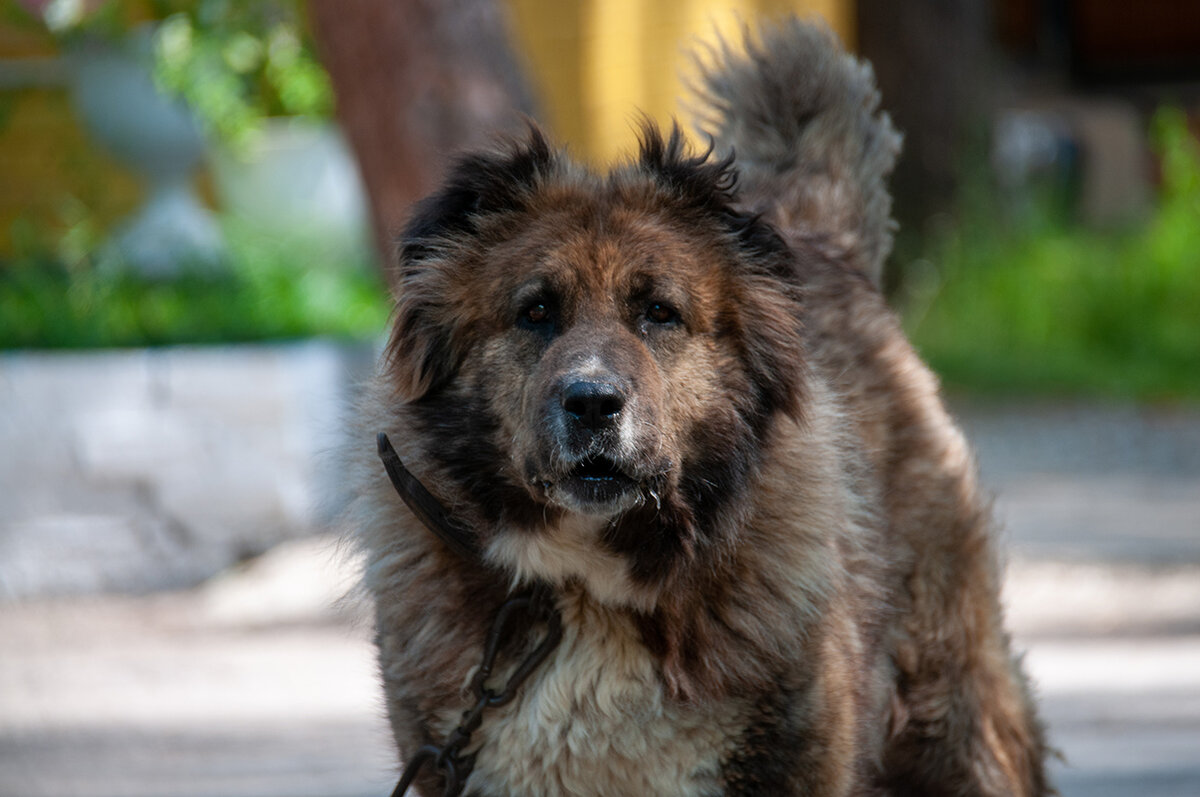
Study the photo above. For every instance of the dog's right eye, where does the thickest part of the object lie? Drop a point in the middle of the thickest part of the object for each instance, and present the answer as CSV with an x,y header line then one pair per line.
x,y
535,315
660,313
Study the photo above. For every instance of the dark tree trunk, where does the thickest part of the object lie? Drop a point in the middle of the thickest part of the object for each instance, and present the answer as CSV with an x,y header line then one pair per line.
x,y
931,60
416,81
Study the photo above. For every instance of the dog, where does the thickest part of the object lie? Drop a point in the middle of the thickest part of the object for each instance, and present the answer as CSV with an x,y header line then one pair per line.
x,y
673,398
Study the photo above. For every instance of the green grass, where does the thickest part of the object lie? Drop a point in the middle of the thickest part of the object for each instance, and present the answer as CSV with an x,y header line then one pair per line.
x,y
1046,307
267,291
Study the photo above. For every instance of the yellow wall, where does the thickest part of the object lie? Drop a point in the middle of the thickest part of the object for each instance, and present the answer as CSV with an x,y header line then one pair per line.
x,y
52,177
597,63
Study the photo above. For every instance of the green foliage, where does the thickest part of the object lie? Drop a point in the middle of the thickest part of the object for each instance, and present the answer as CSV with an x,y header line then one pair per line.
x,y
238,63
269,291
234,62
1049,307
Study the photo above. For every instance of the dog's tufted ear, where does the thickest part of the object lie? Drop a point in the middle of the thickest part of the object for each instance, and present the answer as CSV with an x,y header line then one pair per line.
x,y
709,185
434,255
698,181
478,184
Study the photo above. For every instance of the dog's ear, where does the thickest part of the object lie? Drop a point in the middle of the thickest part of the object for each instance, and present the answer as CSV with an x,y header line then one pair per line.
x,y
696,181
771,308
446,231
773,343
478,184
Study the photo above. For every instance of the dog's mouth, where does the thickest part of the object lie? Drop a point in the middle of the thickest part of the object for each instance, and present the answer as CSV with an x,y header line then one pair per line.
x,y
597,481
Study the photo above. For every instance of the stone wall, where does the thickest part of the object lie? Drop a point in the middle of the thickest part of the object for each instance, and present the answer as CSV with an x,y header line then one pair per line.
x,y
148,469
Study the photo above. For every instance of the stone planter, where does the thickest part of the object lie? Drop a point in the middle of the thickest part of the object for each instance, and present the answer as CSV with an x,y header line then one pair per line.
x,y
296,181
155,137
134,470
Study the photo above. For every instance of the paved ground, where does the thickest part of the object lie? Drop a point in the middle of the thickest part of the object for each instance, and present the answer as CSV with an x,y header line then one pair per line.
x,y
253,686
1101,513
250,686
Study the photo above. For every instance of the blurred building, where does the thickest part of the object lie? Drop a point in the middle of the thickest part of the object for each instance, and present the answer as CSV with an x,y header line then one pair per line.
x,y
1103,42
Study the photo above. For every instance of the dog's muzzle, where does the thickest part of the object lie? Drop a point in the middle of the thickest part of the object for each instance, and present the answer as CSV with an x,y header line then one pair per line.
x,y
592,418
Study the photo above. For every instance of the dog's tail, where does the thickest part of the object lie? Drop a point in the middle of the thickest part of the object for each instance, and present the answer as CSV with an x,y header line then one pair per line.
x,y
813,150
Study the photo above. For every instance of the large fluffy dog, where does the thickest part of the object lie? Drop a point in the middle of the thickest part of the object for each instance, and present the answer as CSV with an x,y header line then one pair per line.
x,y
674,395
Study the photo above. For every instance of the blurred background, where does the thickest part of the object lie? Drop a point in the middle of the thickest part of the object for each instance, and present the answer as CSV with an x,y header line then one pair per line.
x,y
196,204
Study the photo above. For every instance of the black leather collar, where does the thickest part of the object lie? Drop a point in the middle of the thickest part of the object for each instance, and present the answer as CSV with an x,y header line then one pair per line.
x,y
427,509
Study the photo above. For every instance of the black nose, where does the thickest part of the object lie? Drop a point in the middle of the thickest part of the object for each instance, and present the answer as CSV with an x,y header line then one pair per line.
x,y
594,405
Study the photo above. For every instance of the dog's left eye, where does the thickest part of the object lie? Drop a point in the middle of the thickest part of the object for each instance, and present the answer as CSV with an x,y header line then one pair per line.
x,y
660,313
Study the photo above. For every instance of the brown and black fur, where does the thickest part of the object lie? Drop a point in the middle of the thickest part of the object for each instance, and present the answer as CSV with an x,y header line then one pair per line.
x,y
785,582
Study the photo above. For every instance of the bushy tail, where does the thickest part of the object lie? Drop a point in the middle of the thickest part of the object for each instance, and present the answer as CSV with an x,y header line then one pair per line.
x,y
812,147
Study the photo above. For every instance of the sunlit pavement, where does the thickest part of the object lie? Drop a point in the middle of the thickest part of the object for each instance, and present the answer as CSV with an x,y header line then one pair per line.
x,y
1100,509
252,686
212,692
1115,655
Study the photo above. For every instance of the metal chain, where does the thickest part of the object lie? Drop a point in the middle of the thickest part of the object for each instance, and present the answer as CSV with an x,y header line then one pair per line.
x,y
449,758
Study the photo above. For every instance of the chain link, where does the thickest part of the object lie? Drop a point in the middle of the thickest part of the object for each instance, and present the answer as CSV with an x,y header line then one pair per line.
x,y
449,759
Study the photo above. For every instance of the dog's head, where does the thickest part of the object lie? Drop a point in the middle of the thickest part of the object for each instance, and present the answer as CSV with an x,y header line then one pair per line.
x,y
607,352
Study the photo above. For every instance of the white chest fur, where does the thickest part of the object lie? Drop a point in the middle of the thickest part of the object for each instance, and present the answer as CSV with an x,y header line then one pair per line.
x,y
594,721
570,551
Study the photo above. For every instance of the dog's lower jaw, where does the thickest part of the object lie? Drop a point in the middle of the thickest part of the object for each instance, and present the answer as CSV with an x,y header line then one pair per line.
x,y
570,552
599,503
